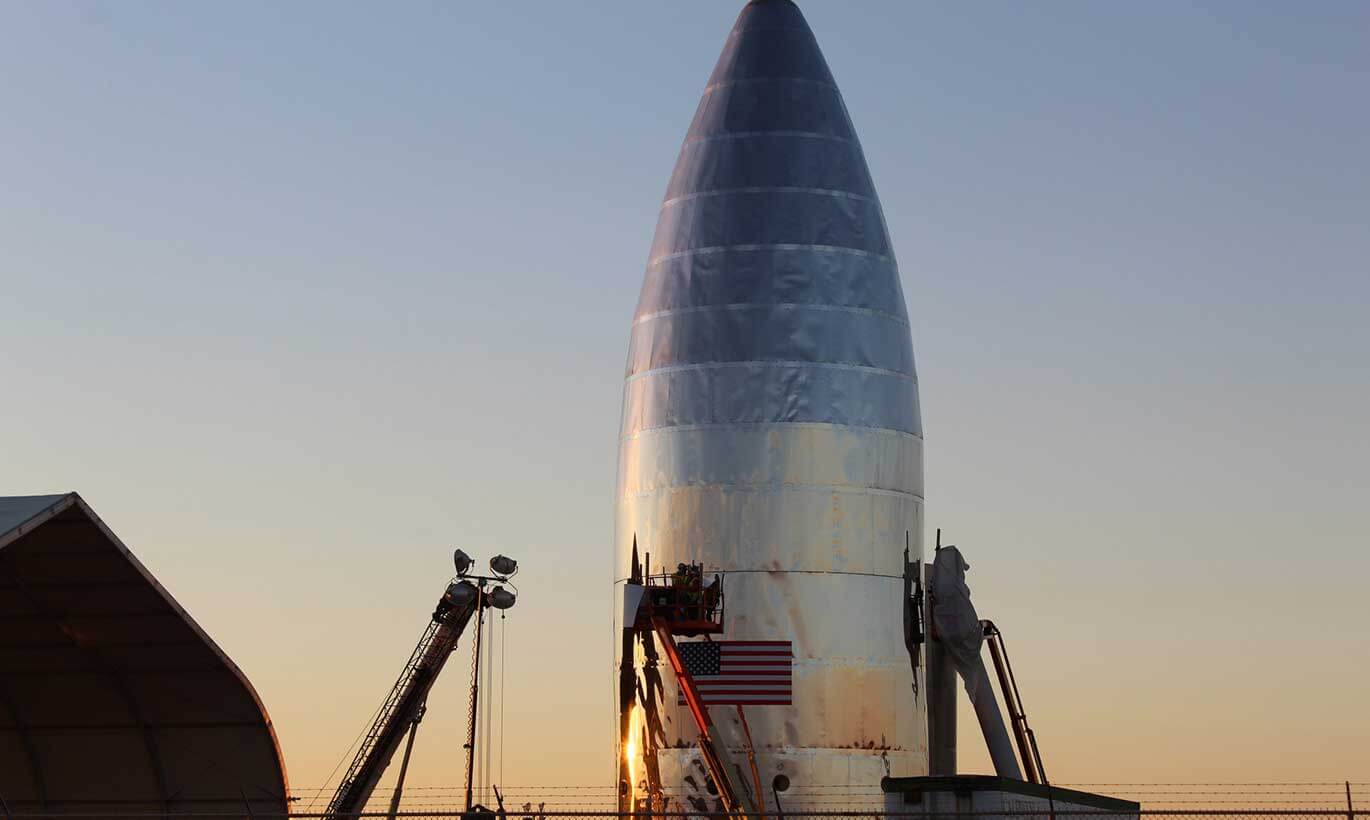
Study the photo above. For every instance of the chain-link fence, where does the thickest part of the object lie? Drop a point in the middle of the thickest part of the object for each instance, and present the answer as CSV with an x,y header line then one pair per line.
x,y
1125,801
1155,798
1354,813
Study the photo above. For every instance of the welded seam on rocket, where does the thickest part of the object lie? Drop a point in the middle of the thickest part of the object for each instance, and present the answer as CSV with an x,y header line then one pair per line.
x,y
738,135
769,246
767,189
813,425
709,89
861,368
840,489
858,311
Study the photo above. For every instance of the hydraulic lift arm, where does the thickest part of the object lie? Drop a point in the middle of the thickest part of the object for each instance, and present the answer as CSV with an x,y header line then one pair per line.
x,y
403,707
667,607
734,797
1008,687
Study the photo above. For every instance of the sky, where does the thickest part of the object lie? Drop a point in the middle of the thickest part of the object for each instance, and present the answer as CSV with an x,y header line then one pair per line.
x,y
302,296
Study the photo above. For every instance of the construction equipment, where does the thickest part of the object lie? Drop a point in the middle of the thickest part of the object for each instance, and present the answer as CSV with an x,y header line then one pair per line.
x,y
681,605
467,596
404,706
957,635
1008,687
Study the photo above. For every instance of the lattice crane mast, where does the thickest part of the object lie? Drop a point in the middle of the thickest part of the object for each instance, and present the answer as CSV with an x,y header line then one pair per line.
x,y
403,707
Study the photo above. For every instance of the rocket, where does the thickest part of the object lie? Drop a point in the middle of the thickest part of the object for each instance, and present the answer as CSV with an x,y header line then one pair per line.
x,y
771,431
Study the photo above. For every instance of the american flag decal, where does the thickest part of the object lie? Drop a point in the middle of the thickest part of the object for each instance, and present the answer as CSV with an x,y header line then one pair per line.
x,y
748,673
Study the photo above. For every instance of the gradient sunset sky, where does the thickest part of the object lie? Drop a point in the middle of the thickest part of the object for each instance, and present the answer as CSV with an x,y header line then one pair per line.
x,y
300,296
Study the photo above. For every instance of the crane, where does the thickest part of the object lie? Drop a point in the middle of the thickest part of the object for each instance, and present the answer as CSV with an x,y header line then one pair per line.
x,y
404,706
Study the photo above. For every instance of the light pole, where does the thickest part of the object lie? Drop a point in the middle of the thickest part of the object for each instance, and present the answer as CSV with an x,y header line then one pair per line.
x,y
499,596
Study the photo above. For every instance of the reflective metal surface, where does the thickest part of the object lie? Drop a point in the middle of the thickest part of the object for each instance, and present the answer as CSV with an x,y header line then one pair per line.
x,y
770,421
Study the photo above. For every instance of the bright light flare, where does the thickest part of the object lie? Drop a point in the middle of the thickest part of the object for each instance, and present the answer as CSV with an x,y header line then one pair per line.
x,y
631,753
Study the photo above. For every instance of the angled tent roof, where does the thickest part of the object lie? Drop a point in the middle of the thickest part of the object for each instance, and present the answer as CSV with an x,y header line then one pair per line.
x,y
112,699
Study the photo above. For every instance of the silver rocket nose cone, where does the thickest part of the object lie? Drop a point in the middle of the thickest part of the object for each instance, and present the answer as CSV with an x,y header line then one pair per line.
x,y
771,256
770,427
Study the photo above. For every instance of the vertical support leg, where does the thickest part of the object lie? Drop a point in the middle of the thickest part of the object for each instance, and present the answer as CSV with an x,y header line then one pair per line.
x,y
475,698
627,692
941,695
991,721
404,764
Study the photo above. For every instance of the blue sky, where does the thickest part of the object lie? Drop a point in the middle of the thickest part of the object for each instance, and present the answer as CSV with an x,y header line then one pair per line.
x,y
301,296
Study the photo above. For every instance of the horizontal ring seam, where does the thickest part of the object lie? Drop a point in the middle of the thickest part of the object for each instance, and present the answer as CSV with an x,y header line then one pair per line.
x,y
816,306
732,135
846,489
770,246
774,363
768,189
743,425
712,87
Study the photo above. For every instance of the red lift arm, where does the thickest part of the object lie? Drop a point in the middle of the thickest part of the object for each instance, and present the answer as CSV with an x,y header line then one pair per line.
x,y
667,611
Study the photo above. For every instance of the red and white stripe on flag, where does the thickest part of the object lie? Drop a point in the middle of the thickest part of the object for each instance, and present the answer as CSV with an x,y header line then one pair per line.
x,y
747,673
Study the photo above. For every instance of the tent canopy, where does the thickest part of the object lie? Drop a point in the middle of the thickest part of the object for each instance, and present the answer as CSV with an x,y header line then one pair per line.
x,y
112,699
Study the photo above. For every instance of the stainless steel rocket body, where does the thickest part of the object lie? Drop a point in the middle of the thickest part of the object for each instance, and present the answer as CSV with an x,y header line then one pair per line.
x,y
770,426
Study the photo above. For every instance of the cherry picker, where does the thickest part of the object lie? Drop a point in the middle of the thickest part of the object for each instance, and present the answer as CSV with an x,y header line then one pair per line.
x,y
671,606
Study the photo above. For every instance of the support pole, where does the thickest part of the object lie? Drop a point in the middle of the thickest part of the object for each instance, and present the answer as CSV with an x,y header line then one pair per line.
x,y
627,692
991,720
940,683
475,697
962,636
404,763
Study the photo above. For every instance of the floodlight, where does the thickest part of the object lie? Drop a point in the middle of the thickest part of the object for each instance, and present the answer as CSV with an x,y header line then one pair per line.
x,y
501,598
503,565
463,561
460,593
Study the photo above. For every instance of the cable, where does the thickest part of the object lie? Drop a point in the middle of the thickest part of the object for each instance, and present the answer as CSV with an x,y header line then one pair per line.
x,y
489,711
503,677
347,755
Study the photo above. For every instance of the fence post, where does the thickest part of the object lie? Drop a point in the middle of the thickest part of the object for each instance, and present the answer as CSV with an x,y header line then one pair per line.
x,y
1350,810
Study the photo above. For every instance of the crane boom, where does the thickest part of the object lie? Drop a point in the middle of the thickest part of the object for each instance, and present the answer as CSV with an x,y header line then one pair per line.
x,y
406,699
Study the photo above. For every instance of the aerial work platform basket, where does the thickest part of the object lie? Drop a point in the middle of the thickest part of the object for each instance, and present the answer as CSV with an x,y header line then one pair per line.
x,y
688,605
